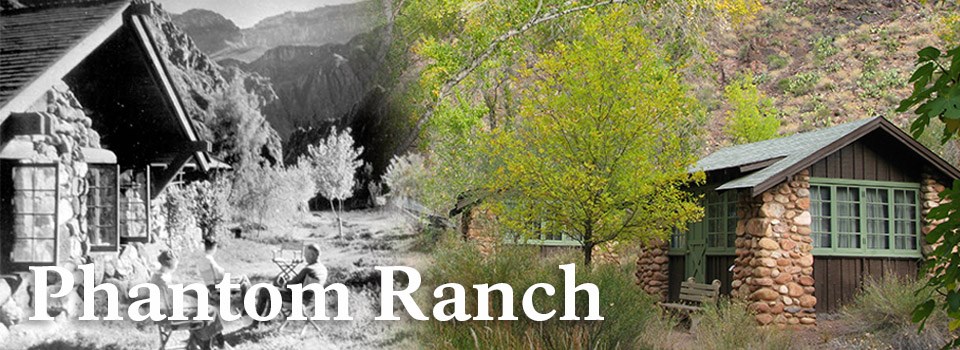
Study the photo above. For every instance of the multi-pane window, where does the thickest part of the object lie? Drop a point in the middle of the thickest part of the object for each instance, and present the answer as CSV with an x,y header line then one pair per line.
x,y
34,214
134,207
102,204
820,211
875,218
678,239
720,219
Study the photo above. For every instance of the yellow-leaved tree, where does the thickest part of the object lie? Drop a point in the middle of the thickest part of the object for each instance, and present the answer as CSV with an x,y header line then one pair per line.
x,y
602,142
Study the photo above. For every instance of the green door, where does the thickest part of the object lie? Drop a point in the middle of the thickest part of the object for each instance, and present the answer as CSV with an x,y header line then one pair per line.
x,y
696,252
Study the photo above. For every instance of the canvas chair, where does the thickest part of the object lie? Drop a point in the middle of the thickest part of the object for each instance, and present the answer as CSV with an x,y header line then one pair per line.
x,y
309,309
167,327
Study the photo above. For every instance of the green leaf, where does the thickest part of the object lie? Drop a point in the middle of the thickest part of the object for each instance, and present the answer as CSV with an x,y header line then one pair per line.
x,y
922,311
928,53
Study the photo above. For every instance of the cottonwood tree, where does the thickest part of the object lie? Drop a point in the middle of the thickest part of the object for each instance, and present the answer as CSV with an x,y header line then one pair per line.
x,y
462,45
936,95
602,142
334,161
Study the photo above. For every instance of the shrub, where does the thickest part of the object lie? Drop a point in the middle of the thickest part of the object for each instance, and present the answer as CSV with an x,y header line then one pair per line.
x,y
884,308
625,308
267,194
730,325
799,84
776,61
403,177
823,48
752,116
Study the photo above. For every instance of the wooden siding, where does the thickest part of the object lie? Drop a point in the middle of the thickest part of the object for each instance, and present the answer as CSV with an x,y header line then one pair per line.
x,y
838,279
718,268
677,271
873,157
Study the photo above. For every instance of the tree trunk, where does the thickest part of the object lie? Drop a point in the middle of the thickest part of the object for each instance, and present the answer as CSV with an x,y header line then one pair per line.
x,y
333,207
588,244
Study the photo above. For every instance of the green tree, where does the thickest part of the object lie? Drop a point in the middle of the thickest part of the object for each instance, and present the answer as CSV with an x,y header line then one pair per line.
x,y
602,144
936,95
752,116
468,46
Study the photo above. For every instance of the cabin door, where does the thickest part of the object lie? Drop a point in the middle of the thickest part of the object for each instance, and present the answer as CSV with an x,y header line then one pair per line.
x,y
697,251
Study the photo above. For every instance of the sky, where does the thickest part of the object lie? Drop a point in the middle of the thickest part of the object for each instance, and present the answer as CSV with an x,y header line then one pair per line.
x,y
246,13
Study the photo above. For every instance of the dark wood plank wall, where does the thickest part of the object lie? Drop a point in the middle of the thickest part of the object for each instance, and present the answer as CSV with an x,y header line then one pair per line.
x,y
677,267
838,279
870,158
718,268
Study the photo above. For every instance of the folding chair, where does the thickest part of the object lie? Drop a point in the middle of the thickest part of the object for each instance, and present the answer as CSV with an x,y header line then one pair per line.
x,y
287,258
309,309
166,328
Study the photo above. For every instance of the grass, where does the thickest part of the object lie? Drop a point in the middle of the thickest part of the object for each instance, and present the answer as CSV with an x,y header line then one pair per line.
x,y
730,325
627,311
883,308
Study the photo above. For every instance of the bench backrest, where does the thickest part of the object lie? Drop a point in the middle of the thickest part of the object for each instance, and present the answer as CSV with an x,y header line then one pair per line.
x,y
699,293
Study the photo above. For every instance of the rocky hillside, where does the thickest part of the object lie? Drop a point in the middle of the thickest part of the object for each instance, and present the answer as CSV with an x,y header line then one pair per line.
x,y
210,31
824,62
221,39
224,103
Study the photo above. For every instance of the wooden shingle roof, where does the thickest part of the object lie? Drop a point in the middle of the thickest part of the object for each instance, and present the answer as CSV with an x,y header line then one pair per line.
x,y
35,38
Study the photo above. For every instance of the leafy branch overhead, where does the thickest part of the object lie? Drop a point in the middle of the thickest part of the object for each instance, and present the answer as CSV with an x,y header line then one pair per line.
x,y
936,92
936,95
458,39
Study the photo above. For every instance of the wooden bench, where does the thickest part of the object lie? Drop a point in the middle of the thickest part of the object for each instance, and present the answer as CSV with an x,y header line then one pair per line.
x,y
693,296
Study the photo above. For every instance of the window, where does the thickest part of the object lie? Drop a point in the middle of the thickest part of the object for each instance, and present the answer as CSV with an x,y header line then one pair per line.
x,y
135,206
720,217
31,214
871,217
550,238
102,203
718,227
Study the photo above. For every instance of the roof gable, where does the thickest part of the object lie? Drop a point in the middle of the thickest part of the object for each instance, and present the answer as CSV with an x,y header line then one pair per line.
x,y
784,157
38,46
42,43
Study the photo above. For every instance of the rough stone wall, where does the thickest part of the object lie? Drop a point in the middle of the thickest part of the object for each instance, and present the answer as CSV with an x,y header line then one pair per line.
x,y
653,269
71,132
930,198
774,264
134,263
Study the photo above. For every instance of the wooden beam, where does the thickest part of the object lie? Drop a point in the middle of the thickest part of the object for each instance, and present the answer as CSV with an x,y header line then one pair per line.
x,y
162,77
35,89
166,175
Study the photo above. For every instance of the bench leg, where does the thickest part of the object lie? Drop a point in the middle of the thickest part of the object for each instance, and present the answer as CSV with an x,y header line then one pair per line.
x,y
694,323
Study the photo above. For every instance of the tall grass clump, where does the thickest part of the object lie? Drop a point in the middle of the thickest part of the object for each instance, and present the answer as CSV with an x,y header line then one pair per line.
x,y
730,325
625,308
884,308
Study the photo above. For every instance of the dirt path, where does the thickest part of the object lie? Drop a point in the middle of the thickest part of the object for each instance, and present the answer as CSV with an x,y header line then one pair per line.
x,y
370,238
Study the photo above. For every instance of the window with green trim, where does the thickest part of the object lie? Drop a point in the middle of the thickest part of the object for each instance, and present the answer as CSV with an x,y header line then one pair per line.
x,y
864,217
720,217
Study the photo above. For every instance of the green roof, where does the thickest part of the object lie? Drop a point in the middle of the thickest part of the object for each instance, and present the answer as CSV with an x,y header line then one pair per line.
x,y
775,160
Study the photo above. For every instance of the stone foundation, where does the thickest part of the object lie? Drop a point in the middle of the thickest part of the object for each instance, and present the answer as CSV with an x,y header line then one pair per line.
x,y
653,269
774,264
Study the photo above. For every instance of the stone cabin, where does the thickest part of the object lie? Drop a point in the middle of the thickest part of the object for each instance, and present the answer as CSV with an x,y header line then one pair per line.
x,y
796,224
92,131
